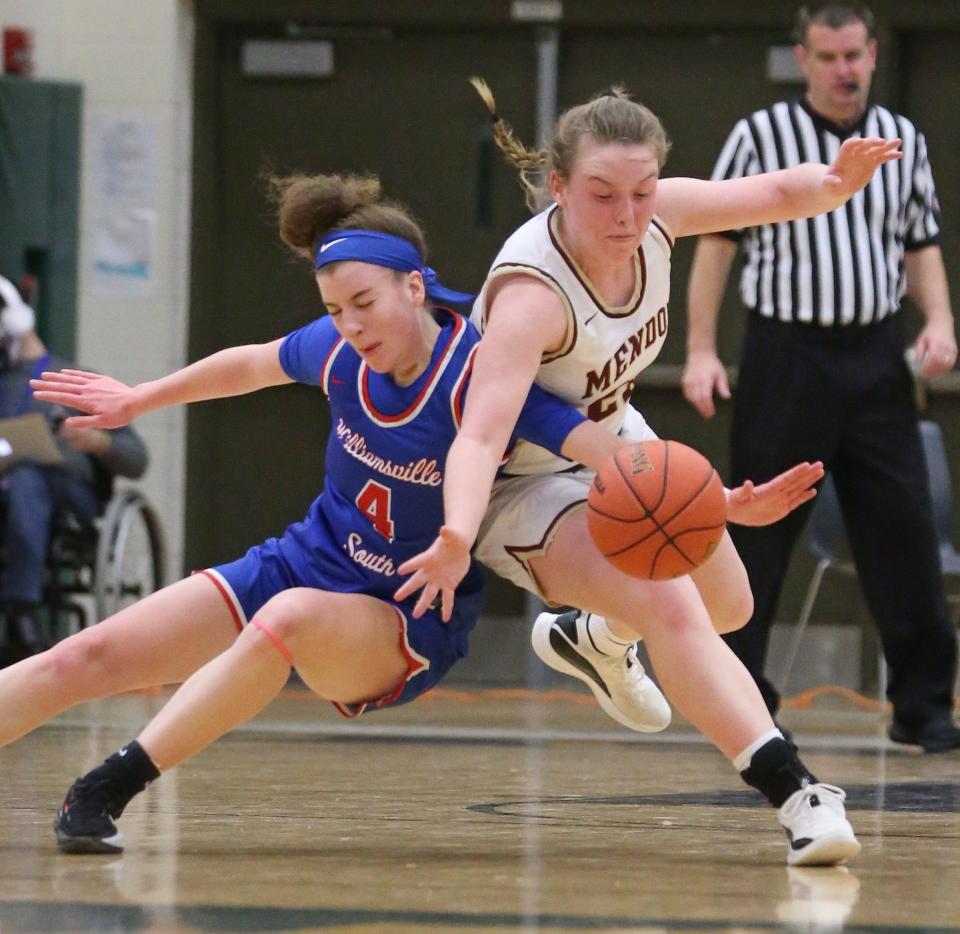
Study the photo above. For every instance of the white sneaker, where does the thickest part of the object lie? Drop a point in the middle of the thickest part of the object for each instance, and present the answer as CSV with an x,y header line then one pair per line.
x,y
562,641
817,827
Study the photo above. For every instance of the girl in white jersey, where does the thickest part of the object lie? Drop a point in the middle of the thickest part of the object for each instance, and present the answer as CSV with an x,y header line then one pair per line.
x,y
576,301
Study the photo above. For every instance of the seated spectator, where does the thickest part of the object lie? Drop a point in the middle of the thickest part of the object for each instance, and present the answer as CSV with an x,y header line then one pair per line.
x,y
32,495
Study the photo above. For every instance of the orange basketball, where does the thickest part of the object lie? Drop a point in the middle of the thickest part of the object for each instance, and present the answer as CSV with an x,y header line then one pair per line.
x,y
657,509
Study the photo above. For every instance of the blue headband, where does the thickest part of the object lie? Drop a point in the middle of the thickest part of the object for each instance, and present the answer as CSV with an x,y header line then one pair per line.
x,y
380,249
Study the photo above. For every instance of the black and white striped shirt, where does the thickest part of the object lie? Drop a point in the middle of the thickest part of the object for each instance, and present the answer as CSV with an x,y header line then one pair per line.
x,y
845,267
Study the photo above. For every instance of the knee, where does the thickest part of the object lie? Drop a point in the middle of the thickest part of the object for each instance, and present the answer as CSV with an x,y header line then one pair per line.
x,y
284,617
81,658
736,612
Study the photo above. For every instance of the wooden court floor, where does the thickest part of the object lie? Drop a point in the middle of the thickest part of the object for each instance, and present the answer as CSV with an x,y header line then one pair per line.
x,y
485,811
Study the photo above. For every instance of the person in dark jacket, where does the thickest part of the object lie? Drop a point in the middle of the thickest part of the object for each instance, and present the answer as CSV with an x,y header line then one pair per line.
x,y
32,494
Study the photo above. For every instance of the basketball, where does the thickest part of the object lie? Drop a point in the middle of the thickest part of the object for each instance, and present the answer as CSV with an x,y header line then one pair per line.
x,y
657,510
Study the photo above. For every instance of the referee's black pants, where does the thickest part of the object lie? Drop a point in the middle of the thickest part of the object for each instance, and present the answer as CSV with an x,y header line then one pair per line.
x,y
845,396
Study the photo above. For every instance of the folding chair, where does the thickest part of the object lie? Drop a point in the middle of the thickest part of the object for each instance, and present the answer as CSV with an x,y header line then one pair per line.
x,y
828,543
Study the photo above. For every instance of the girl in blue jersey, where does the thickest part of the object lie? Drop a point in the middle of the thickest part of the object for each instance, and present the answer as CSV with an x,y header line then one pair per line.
x,y
395,366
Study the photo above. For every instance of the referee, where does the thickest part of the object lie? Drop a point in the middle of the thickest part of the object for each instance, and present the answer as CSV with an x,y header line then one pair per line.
x,y
822,370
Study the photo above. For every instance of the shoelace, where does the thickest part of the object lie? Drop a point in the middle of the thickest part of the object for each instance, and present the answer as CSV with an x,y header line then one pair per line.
x,y
829,789
828,795
627,664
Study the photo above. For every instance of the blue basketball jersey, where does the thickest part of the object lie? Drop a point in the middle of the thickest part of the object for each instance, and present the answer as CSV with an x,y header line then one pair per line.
x,y
382,501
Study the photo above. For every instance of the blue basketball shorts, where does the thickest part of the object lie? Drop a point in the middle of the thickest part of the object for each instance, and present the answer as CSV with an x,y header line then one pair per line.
x,y
430,645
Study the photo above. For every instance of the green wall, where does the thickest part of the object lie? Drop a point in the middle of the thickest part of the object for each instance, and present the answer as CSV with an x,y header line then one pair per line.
x,y
39,198
399,105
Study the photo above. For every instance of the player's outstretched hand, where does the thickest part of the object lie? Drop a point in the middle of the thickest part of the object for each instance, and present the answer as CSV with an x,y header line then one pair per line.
x,y
857,160
438,570
770,502
107,401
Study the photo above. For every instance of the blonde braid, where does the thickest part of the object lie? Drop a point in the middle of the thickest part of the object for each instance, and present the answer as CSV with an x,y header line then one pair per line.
x,y
529,162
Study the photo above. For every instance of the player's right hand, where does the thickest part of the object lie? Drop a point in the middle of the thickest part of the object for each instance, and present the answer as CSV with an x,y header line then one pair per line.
x,y
438,570
703,374
107,402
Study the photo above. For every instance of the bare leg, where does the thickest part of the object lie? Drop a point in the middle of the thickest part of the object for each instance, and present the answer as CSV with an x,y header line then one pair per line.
x,y
725,588
345,646
702,678
161,639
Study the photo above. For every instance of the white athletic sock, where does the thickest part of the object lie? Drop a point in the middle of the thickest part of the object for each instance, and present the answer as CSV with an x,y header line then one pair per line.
x,y
742,762
606,641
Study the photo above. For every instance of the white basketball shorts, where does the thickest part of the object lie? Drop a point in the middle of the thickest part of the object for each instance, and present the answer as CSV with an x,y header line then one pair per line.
x,y
525,513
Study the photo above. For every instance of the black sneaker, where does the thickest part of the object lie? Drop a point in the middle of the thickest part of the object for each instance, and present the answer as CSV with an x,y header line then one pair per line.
x,y
84,823
936,736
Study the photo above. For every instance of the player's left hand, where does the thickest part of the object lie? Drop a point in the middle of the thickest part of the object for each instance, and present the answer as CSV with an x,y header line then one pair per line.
x,y
107,402
857,160
438,570
770,502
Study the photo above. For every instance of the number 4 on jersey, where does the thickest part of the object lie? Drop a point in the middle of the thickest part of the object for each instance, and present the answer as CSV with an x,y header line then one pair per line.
x,y
374,502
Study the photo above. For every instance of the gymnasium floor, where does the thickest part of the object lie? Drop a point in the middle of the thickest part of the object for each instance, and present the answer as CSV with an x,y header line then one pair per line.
x,y
486,811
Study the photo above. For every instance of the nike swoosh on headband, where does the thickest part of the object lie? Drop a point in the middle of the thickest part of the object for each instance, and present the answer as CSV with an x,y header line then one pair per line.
x,y
326,246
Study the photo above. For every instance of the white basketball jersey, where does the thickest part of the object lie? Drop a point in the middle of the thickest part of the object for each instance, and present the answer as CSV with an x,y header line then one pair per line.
x,y
605,348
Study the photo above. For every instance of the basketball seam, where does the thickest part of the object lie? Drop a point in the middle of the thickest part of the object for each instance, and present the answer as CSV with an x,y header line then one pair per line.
x,y
672,543
659,527
669,539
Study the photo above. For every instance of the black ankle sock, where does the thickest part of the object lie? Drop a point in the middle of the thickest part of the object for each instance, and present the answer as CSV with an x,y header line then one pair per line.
x,y
776,772
126,773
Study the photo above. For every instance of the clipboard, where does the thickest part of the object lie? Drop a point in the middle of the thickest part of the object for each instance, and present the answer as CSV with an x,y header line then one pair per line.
x,y
27,438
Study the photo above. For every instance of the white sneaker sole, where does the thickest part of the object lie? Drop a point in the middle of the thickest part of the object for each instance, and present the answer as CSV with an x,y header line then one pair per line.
x,y
540,639
827,851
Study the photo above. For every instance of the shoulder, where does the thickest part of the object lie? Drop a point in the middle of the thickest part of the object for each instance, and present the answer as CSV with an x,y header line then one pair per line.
x,y
529,269
319,327
885,122
305,354
531,236
780,114
744,124
659,232
885,112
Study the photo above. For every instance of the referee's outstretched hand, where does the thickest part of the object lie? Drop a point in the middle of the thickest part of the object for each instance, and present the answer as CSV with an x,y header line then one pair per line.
x,y
857,160
771,501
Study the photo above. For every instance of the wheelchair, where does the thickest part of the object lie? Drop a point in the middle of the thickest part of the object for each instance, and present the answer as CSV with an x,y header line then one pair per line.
x,y
95,570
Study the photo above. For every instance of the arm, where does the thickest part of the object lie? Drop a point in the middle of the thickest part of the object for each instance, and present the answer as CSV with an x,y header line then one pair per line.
x,y
704,371
526,320
592,445
110,403
936,346
692,206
